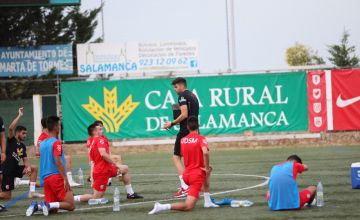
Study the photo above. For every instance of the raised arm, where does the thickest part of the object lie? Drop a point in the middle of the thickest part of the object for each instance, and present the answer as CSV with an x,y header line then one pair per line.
x,y
14,122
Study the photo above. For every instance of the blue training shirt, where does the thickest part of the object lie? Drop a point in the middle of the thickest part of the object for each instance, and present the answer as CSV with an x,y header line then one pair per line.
x,y
284,192
47,161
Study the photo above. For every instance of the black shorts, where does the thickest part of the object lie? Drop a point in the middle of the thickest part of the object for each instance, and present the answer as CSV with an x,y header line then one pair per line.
x,y
8,181
181,134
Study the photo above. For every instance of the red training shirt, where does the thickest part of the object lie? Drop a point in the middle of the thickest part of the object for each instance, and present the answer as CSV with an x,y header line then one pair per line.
x,y
42,137
100,165
191,150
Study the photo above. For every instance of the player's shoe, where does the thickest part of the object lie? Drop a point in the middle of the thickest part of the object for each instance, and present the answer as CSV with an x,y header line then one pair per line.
x,y
109,182
45,208
32,208
74,184
35,195
2,208
134,196
181,193
89,179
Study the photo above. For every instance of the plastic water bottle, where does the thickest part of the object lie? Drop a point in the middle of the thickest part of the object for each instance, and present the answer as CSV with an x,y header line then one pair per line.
x,y
81,176
101,201
116,206
319,195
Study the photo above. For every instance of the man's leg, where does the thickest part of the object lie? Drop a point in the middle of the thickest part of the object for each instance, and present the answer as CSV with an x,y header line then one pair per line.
x,y
188,205
179,165
7,185
87,197
126,179
207,199
307,196
33,176
69,171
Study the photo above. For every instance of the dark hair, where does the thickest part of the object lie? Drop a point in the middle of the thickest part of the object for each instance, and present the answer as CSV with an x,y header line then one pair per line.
x,y
51,122
98,122
295,157
193,123
43,122
179,80
91,128
19,128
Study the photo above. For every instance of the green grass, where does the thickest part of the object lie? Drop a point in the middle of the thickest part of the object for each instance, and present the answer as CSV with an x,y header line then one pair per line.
x,y
331,165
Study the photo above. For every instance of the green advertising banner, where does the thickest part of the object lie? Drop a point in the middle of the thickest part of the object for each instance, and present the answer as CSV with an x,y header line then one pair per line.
x,y
228,105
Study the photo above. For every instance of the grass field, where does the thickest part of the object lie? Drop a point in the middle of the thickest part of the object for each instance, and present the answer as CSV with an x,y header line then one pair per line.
x,y
331,165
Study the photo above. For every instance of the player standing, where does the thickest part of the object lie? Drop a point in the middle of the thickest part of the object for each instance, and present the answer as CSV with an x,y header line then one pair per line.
x,y
58,192
194,149
15,152
104,167
189,106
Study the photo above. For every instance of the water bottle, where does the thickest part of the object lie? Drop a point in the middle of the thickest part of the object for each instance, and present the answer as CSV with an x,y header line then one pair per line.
x,y
319,195
116,206
81,176
101,201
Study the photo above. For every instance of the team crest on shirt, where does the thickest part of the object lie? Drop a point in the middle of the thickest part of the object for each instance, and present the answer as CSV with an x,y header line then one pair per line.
x,y
19,151
102,141
182,99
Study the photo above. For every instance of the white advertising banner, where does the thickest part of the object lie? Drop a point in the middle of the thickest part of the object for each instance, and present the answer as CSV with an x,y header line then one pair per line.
x,y
103,58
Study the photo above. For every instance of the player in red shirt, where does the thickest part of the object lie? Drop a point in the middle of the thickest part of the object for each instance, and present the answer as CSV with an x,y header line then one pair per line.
x,y
195,151
104,168
307,195
43,136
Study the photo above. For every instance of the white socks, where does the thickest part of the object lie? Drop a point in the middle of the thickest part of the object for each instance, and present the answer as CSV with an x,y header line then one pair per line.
x,y
207,201
183,184
77,198
159,208
32,187
69,176
129,189
207,198
54,205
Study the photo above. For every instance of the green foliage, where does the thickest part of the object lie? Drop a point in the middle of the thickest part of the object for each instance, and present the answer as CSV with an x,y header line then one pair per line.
x,y
343,55
300,55
32,26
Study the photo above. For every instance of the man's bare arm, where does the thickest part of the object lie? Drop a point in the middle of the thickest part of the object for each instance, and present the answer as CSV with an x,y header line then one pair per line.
x,y
106,156
15,122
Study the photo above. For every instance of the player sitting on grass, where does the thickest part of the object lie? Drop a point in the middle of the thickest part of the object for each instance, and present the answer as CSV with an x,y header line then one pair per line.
x,y
194,149
104,168
15,151
44,135
283,191
58,192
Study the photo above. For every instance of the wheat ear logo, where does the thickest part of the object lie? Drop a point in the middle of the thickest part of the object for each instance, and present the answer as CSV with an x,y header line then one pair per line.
x,y
111,114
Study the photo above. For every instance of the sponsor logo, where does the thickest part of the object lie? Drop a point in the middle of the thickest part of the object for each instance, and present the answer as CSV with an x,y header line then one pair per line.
x,y
182,99
19,151
317,107
189,140
342,103
316,79
318,122
316,93
111,114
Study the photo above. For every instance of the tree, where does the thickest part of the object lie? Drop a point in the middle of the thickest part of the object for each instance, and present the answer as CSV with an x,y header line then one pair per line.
x,y
300,55
343,55
34,26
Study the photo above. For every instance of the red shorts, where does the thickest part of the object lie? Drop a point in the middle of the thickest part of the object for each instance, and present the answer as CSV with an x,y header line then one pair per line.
x,y
54,188
195,180
101,179
305,197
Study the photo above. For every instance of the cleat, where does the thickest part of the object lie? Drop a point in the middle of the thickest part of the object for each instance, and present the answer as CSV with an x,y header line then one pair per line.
x,y
89,179
134,196
181,193
35,195
32,208
45,208
2,208
109,182
156,209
